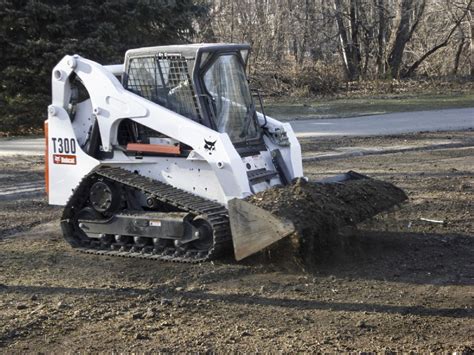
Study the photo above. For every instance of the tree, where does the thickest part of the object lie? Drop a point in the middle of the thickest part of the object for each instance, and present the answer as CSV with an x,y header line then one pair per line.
x,y
381,35
36,34
442,44
410,16
350,48
471,43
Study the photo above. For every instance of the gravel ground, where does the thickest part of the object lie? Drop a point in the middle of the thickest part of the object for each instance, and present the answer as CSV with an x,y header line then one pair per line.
x,y
398,283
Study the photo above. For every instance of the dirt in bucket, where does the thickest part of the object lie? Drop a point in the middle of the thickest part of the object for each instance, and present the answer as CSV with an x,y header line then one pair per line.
x,y
320,211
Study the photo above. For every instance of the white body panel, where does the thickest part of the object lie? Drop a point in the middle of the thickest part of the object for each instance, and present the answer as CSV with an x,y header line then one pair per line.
x,y
219,174
64,177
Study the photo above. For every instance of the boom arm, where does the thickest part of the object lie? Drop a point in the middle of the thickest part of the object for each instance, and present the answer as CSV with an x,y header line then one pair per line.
x,y
111,103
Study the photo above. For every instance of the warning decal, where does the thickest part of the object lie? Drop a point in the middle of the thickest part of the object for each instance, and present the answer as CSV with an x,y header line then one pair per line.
x,y
64,159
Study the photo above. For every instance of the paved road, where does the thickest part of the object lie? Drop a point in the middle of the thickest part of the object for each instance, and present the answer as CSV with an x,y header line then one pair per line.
x,y
392,123
11,190
23,146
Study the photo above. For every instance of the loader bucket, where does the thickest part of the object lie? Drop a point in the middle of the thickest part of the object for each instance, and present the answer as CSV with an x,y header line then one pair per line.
x,y
310,210
350,175
254,228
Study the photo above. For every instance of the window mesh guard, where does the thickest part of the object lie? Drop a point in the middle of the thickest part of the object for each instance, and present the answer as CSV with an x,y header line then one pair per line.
x,y
165,80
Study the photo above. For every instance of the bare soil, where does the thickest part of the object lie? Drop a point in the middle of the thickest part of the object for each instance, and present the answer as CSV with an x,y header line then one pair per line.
x,y
397,283
20,214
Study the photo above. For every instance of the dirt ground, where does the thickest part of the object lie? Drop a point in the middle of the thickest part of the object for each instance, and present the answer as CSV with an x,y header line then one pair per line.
x,y
397,283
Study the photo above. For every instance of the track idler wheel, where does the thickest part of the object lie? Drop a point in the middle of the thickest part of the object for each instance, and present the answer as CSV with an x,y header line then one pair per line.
x,y
204,233
104,197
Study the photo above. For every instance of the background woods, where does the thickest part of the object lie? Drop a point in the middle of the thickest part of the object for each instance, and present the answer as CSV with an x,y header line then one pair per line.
x,y
300,47
36,34
355,39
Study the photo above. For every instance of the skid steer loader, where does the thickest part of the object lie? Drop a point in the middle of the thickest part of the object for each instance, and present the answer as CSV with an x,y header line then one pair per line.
x,y
154,158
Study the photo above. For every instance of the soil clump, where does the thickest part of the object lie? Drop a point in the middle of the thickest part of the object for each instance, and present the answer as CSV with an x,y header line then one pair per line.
x,y
320,212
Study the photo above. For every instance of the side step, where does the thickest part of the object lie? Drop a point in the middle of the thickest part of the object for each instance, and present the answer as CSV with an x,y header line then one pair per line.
x,y
259,175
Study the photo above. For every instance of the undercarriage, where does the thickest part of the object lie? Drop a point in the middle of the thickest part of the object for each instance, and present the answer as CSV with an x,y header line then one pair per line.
x,y
116,212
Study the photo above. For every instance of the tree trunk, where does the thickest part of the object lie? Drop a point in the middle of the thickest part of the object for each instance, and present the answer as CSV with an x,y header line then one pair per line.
x,y
382,28
279,34
404,33
417,63
304,43
349,57
355,47
294,47
471,56
232,22
457,58
342,35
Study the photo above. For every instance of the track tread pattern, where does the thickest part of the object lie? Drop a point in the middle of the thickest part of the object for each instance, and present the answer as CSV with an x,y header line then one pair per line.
x,y
215,213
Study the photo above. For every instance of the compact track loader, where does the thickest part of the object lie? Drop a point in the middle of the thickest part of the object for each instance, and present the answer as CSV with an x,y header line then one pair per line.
x,y
155,158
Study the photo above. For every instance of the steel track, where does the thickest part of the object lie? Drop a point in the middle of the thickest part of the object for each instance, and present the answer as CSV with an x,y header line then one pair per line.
x,y
214,213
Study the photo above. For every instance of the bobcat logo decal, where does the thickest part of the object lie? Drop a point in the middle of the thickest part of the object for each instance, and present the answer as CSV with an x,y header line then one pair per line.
x,y
209,146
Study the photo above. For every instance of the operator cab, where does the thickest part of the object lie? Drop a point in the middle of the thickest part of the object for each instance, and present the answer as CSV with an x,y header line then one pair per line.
x,y
203,82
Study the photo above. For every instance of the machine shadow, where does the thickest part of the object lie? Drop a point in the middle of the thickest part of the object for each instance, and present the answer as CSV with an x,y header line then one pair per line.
x,y
416,258
245,299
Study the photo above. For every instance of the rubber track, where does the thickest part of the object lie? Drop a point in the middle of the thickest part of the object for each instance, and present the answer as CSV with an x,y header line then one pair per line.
x,y
215,213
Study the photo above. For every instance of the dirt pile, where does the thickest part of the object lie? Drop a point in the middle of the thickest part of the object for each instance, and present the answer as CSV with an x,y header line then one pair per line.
x,y
319,212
